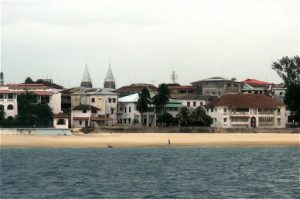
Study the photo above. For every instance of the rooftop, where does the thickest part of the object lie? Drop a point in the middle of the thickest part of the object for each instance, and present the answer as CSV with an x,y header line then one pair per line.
x,y
246,101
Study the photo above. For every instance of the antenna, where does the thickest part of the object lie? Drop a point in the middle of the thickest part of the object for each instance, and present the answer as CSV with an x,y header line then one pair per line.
x,y
174,77
222,72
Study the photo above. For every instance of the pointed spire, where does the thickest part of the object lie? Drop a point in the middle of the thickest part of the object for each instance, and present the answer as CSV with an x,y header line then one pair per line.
x,y
1,77
109,81
86,79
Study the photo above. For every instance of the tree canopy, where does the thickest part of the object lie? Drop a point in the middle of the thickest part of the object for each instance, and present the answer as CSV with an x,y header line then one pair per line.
x,y
28,80
162,97
288,68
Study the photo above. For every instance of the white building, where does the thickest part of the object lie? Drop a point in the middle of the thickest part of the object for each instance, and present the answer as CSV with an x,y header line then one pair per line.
x,y
83,116
61,121
194,101
247,110
128,114
8,102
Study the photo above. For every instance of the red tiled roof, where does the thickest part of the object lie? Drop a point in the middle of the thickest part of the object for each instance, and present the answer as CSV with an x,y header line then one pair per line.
x,y
256,82
60,115
246,101
42,93
9,92
27,86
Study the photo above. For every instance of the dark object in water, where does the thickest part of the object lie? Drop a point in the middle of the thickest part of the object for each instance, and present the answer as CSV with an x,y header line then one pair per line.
x,y
169,142
109,146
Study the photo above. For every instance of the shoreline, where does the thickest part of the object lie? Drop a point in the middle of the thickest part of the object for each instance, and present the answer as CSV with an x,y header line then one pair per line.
x,y
145,140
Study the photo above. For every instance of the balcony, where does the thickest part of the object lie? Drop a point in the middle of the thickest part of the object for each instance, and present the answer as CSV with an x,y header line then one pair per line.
x,y
239,113
266,112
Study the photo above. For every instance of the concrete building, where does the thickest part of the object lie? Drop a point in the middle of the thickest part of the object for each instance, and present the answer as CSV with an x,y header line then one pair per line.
x,y
8,102
135,88
82,115
253,86
194,101
177,90
217,86
244,111
128,114
61,121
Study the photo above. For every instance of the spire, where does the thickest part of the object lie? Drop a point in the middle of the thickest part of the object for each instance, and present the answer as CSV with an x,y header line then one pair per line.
x,y
1,77
86,79
109,81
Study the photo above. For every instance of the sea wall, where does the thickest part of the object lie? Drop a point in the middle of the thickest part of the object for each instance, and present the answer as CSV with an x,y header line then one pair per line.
x,y
129,129
34,131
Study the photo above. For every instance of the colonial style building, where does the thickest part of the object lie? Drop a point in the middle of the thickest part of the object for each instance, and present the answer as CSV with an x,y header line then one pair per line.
x,y
128,114
82,116
217,86
8,102
251,110
253,86
194,101
177,90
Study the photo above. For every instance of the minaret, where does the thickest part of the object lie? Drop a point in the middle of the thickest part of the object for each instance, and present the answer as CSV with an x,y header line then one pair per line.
x,y
86,79
109,81
1,78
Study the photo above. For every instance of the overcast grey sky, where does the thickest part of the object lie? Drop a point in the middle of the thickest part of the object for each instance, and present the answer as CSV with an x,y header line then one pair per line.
x,y
147,39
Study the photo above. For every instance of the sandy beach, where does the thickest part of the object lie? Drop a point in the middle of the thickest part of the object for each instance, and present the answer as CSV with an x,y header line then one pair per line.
x,y
151,140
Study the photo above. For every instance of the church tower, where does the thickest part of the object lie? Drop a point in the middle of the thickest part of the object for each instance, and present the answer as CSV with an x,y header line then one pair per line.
x,y
86,79
109,81
1,78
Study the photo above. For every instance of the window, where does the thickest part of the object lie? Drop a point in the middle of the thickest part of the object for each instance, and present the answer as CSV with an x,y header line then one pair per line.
x,y
188,104
211,110
260,92
249,91
109,100
10,96
225,110
112,111
125,109
114,100
124,121
94,111
10,107
278,110
129,109
225,120
93,100
280,93
121,108
1,96
278,121
194,104
80,122
219,93
61,122
201,103
129,120
83,111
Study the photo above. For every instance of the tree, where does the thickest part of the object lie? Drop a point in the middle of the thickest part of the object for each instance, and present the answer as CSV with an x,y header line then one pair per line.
x,y
199,117
28,80
183,116
167,119
2,113
289,70
162,98
143,102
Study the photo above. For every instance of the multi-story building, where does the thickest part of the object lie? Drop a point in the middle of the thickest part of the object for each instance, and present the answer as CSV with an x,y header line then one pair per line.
x,y
135,88
177,90
8,102
251,110
128,113
253,86
194,101
85,116
217,86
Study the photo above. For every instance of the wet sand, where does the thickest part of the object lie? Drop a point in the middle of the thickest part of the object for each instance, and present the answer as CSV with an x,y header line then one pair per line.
x,y
120,140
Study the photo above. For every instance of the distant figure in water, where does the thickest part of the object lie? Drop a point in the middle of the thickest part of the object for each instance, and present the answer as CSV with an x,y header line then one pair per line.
x,y
169,142
109,146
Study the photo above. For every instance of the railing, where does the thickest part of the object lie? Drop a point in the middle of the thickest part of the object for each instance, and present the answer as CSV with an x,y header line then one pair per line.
x,y
266,113
239,113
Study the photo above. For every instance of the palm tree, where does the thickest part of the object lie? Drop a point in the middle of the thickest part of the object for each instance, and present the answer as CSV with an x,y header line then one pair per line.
x,y
162,98
143,102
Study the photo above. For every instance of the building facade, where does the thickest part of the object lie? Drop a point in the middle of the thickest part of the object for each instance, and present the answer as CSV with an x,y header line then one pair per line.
x,y
247,110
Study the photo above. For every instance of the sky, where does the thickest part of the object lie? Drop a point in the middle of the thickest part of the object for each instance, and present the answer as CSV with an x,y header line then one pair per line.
x,y
146,39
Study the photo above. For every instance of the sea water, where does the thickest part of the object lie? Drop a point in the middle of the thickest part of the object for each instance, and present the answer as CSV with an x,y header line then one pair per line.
x,y
150,173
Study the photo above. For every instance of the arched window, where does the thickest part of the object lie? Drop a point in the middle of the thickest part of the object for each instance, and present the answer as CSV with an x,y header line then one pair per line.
x,y
10,107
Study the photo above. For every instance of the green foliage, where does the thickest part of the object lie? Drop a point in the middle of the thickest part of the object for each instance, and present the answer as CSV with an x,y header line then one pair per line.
x,y
28,80
166,119
289,70
197,117
162,98
183,116
2,113
30,113
144,101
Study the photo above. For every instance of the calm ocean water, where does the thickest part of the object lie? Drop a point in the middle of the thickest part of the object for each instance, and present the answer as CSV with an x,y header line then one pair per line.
x,y
150,173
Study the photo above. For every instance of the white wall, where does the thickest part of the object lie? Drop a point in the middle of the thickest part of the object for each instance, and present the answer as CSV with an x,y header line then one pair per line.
x,y
5,102
55,103
60,126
